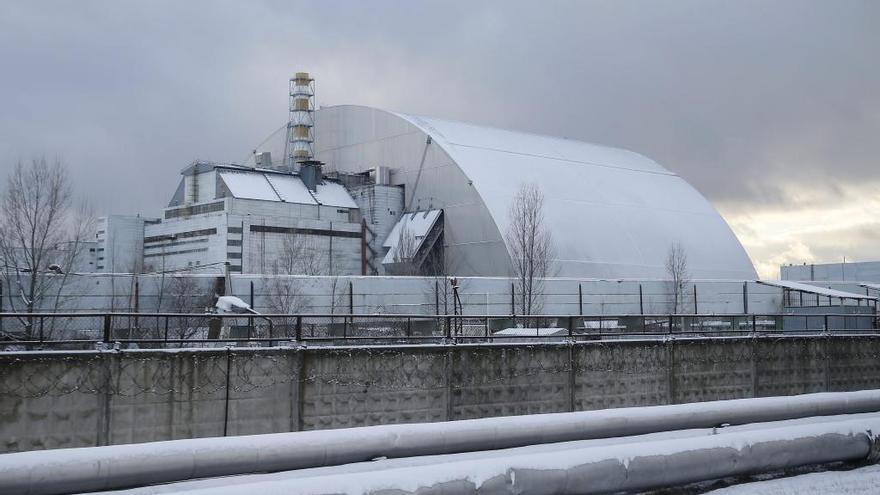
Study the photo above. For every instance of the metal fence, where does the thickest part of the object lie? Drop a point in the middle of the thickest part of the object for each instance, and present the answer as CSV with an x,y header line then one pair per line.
x,y
170,330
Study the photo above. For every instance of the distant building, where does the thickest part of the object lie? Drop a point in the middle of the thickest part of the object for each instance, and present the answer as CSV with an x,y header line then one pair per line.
x,y
247,219
866,271
120,243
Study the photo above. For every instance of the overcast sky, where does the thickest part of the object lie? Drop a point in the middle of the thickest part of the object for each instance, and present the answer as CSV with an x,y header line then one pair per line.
x,y
770,109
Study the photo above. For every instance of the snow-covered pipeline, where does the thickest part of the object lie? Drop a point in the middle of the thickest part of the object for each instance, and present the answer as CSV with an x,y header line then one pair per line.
x,y
101,468
627,467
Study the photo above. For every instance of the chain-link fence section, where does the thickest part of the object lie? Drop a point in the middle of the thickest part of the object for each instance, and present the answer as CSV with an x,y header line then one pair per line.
x,y
210,330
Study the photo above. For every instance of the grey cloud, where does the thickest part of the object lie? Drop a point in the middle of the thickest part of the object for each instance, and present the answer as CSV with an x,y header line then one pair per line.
x,y
737,97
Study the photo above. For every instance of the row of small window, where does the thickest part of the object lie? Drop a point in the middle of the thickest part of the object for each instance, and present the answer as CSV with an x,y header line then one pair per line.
x,y
187,211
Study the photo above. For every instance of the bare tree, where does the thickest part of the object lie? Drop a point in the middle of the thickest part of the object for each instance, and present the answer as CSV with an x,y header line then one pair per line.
x,y
677,270
286,294
404,253
531,248
299,256
185,297
41,235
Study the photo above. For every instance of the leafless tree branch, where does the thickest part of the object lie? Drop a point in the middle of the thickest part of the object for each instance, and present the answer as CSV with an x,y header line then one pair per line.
x,y
531,248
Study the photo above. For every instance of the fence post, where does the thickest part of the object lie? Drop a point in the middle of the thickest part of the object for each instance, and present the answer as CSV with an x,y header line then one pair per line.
x,y
226,396
107,322
696,311
297,336
827,341
670,371
449,371
755,365
580,299
641,302
745,298
41,329
571,374
512,299
251,318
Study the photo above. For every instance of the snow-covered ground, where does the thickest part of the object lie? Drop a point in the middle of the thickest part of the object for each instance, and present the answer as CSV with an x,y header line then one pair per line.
x,y
863,481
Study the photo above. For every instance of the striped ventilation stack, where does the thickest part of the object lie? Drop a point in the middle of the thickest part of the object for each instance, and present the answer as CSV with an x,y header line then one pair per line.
x,y
300,129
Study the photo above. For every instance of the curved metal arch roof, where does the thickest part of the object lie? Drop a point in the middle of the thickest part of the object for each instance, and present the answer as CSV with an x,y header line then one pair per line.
x,y
613,213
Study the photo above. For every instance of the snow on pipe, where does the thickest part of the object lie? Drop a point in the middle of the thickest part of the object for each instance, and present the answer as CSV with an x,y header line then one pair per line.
x,y
605,469
101,468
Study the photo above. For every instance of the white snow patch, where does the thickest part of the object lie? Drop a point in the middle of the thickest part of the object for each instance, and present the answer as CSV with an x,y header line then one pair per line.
x,y
246,185
813,289
531,332
291,189
232,304
334,194
417,224
862,481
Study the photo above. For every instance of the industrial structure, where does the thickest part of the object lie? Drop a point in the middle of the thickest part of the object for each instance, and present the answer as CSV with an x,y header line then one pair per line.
x,y
363,191
864,271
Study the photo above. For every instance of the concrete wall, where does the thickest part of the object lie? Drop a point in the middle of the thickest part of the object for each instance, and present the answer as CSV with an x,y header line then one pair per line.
x,y
76,399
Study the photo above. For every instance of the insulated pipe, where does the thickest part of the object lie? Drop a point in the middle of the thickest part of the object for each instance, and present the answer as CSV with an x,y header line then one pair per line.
x,y
592,470
102,468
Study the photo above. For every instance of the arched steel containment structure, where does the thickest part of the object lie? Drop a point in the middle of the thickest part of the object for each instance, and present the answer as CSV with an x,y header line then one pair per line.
x,y
613,213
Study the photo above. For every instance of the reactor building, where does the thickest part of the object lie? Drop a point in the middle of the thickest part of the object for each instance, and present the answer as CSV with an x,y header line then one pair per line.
x,y
364,191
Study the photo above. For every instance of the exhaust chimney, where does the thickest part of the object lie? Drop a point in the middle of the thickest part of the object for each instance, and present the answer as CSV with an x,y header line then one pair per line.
x,y
310,173
300,134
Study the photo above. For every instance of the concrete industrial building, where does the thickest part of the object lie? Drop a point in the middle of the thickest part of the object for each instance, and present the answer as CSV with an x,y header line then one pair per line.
x,y
400,194
865,271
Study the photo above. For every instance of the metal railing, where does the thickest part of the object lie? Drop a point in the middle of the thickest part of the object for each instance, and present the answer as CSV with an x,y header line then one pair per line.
x,y
166,330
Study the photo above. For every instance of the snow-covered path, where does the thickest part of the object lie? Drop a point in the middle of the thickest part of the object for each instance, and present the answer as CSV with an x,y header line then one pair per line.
x,y
862,481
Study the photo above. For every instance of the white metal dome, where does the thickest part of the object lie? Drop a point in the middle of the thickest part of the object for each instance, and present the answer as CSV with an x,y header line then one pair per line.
x,y
613,213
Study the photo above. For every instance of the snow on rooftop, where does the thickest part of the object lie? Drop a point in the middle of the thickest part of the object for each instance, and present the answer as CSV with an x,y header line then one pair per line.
x,y
871,286
333,194
254,184
813,289
291,190
248,186
418,225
